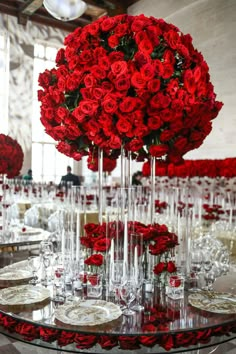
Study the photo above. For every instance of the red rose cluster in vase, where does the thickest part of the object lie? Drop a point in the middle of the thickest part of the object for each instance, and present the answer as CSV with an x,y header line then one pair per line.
x,y
158,241
132,82
11,156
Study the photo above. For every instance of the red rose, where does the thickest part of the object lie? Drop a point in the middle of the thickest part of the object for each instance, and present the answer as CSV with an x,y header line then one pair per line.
x,y
128,104
154,85
128,343
119,68
65,338
167,342
171,267
102,245
9,323
175,281
138,81
148,341
147,72
159,268
172,38
109,104
122,83
48,334
93,279
85,341
108,342
89,107
94,260
27,330
158,150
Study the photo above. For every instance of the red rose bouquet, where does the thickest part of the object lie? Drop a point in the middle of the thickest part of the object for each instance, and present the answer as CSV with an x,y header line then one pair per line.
x,y
11,156
132,82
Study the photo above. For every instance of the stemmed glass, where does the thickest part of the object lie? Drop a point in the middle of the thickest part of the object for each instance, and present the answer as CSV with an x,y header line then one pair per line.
x,y
207,264
46,253
196,266
118,277
34,266
127,293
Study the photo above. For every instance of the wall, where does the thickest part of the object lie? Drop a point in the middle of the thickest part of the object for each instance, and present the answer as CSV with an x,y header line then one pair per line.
x,y
212,24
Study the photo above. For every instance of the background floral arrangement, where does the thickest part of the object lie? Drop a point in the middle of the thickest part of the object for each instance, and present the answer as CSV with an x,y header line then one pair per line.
x,y
194,168
128,81
11,156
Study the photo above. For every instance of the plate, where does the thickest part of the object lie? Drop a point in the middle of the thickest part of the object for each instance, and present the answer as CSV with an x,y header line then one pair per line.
x,y
88,313
30,232
23,295
216,302
12,276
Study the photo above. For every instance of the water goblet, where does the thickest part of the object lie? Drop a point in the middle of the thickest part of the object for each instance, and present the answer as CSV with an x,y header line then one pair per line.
x,y
127,293
34,266
118,277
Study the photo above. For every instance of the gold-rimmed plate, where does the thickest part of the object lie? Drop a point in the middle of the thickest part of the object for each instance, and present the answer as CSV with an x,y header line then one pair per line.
x,y
216,302
11,277
88,313
23,295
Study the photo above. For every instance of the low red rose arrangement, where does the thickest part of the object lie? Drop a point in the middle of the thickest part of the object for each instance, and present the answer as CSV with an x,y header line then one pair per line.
x,y
212,168
157,241
128,81
11,156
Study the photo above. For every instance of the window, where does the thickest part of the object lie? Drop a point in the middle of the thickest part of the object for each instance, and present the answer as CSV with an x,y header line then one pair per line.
x,y
4,75
47,163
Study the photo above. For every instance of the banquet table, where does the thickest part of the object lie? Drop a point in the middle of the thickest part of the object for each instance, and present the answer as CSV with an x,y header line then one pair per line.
x,y
17,240
176,327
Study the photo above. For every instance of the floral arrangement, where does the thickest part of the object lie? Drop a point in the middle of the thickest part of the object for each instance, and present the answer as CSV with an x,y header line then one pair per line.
x,y
11,156
132,82
212,212
157,239
195,168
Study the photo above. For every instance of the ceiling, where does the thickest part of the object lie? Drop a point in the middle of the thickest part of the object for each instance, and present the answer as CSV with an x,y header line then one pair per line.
x,y
33,10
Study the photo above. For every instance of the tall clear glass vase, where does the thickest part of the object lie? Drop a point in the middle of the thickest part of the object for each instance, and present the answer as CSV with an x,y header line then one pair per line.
x,y
5,201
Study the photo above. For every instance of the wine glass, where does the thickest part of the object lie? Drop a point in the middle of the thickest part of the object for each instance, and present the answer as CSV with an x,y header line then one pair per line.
x,y
118,277
127,293
196,266
34,266
46,253
207,264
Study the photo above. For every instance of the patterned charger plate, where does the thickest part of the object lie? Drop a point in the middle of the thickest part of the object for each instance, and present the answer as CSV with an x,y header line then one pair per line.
x,y
23,295
88,313
10,277
214,302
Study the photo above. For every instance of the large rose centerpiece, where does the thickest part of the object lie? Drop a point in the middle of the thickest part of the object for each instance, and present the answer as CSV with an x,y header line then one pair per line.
x,y
132,82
